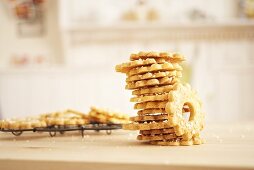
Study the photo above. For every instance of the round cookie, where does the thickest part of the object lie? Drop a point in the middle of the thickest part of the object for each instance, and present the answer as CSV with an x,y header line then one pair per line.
x,y
146,126
180,96
125,67
150,105
155,97
149,75
151,82
149,118
151,112
154,68
173,57
157,137
157,131
153,90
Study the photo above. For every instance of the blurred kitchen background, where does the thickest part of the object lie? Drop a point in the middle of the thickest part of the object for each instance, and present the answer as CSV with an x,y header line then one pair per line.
x,y
58,54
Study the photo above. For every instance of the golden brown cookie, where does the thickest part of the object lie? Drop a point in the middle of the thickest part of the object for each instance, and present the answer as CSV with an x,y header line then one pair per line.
x,y
197,140
153,90
6,123
155,97
172,142
146,126
150,105
27,123
157,137
149,118
65,118
65,121
152,82
106,116
173,57
157,131
1,123
178,142
149,75
32,123
151,112
154,68
78,113
125,67
144,55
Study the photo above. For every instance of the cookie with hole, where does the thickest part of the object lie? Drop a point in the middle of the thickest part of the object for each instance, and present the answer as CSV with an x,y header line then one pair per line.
x,y
183,95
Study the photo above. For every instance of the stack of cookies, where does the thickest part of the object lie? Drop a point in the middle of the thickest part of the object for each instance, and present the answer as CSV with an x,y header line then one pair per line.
x,y
169,112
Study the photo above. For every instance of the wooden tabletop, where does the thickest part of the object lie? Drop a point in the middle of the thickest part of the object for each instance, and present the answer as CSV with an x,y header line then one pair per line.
x,y
227,147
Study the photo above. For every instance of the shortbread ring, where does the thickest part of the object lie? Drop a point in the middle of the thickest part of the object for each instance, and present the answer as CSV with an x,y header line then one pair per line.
x,y
180,96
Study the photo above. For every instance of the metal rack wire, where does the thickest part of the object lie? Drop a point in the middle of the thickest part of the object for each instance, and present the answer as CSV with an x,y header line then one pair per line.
x,y
52,130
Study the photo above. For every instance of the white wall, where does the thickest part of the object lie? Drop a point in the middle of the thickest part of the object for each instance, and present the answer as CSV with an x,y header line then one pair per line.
x,y
39,91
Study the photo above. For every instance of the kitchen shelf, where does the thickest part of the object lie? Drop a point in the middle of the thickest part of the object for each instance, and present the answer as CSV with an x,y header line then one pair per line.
x,y
155,31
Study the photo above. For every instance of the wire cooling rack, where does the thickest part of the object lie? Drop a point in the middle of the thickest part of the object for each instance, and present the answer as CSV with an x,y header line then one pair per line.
x,y
53,130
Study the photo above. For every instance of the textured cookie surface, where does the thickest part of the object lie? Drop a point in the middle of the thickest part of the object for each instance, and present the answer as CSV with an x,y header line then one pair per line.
x,y
152,82
149,118
180,96
154,68
173,57
153,90
157,131
106,116
125,67
146,126
155,97
154,75
151,112
157,137
150,105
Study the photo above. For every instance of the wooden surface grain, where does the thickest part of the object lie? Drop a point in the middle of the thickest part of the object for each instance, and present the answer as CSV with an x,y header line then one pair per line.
x,y
227,147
